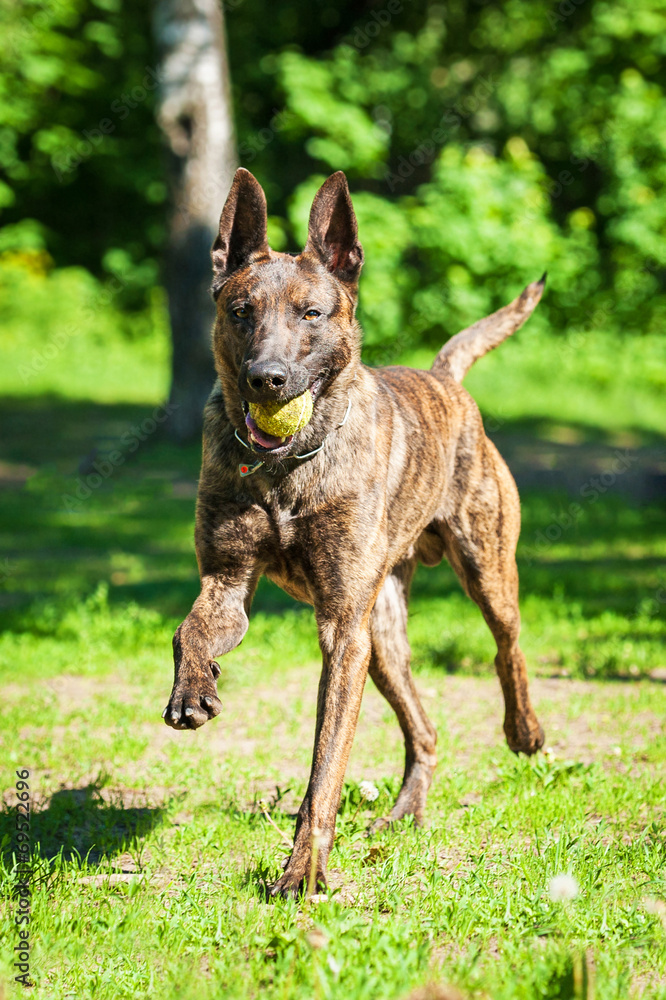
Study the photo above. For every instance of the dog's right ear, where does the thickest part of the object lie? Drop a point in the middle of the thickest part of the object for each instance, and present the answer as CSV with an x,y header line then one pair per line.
x,y
242,237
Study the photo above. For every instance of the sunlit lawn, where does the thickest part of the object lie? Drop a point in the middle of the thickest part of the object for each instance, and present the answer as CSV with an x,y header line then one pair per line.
x,y
151,852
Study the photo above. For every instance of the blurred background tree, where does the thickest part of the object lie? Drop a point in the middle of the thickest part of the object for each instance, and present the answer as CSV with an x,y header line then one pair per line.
x,y
197,120
484,143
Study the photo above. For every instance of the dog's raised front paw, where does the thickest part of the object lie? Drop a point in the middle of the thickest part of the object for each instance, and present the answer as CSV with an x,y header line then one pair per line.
x,y
194,700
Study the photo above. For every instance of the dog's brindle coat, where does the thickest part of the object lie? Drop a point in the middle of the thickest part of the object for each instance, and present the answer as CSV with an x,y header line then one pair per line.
x,y
409,477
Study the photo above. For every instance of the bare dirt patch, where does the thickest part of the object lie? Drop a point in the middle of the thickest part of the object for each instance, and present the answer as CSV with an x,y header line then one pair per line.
x,y
275,726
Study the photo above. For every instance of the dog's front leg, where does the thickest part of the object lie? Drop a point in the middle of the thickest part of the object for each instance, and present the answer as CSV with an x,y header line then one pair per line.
x,y
215,625
345,668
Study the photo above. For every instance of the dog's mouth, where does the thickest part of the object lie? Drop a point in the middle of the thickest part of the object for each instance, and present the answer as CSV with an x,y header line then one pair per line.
x,y
263,442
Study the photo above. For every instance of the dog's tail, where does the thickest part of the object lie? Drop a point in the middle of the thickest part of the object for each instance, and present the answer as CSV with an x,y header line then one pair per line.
x,y
460,352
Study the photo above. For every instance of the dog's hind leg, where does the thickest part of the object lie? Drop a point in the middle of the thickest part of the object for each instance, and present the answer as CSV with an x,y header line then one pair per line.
x,y
480,536
390,670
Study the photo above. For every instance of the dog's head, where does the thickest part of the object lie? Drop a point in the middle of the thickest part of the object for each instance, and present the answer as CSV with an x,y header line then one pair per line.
x,y
285,323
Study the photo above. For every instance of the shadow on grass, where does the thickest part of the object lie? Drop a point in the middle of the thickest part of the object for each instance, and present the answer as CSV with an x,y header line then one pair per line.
x,y
64,530
454,658
135,529
81,824
595,582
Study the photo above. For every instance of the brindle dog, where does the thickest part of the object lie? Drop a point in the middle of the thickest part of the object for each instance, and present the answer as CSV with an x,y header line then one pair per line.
x,y
393,469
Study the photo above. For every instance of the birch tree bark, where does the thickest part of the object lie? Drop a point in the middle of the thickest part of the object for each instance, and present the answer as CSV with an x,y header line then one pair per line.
x,y
195,115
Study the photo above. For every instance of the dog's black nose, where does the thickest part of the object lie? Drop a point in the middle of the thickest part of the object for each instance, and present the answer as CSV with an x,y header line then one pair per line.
x,y
266,375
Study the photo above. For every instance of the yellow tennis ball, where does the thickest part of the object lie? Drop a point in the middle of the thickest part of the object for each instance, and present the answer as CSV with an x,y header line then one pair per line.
x,y
282,419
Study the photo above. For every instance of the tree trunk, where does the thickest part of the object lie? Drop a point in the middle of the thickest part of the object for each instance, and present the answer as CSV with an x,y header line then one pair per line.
x,y
195,115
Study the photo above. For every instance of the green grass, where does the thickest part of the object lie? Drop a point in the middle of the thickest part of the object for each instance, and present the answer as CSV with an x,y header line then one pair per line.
x,y
596,380
91,598
63,335
465,900
151,854
592,599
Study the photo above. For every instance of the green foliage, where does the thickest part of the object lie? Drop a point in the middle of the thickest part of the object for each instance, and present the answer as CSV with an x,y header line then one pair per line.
x,y
66,331
79,147
345,136
94,624
483,231
485,143
523,134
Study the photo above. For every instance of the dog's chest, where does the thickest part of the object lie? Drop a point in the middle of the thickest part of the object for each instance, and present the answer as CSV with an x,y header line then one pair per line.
x,y
287,553
284,524
285,564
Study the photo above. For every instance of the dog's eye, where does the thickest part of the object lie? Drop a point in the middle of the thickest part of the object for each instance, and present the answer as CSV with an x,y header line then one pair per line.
x,y
312,314
240,312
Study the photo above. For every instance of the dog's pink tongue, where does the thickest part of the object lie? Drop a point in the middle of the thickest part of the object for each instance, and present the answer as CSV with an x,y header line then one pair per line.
x,y
261,437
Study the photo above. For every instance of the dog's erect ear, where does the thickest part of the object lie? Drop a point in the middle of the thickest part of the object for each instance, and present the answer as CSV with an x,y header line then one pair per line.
x,y
242,237
333,230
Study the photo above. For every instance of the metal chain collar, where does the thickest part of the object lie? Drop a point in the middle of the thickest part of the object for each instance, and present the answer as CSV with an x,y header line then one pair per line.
x,y
247,470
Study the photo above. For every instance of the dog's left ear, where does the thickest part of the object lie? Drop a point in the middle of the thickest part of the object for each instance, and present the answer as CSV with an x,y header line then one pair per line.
x,y
333,230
